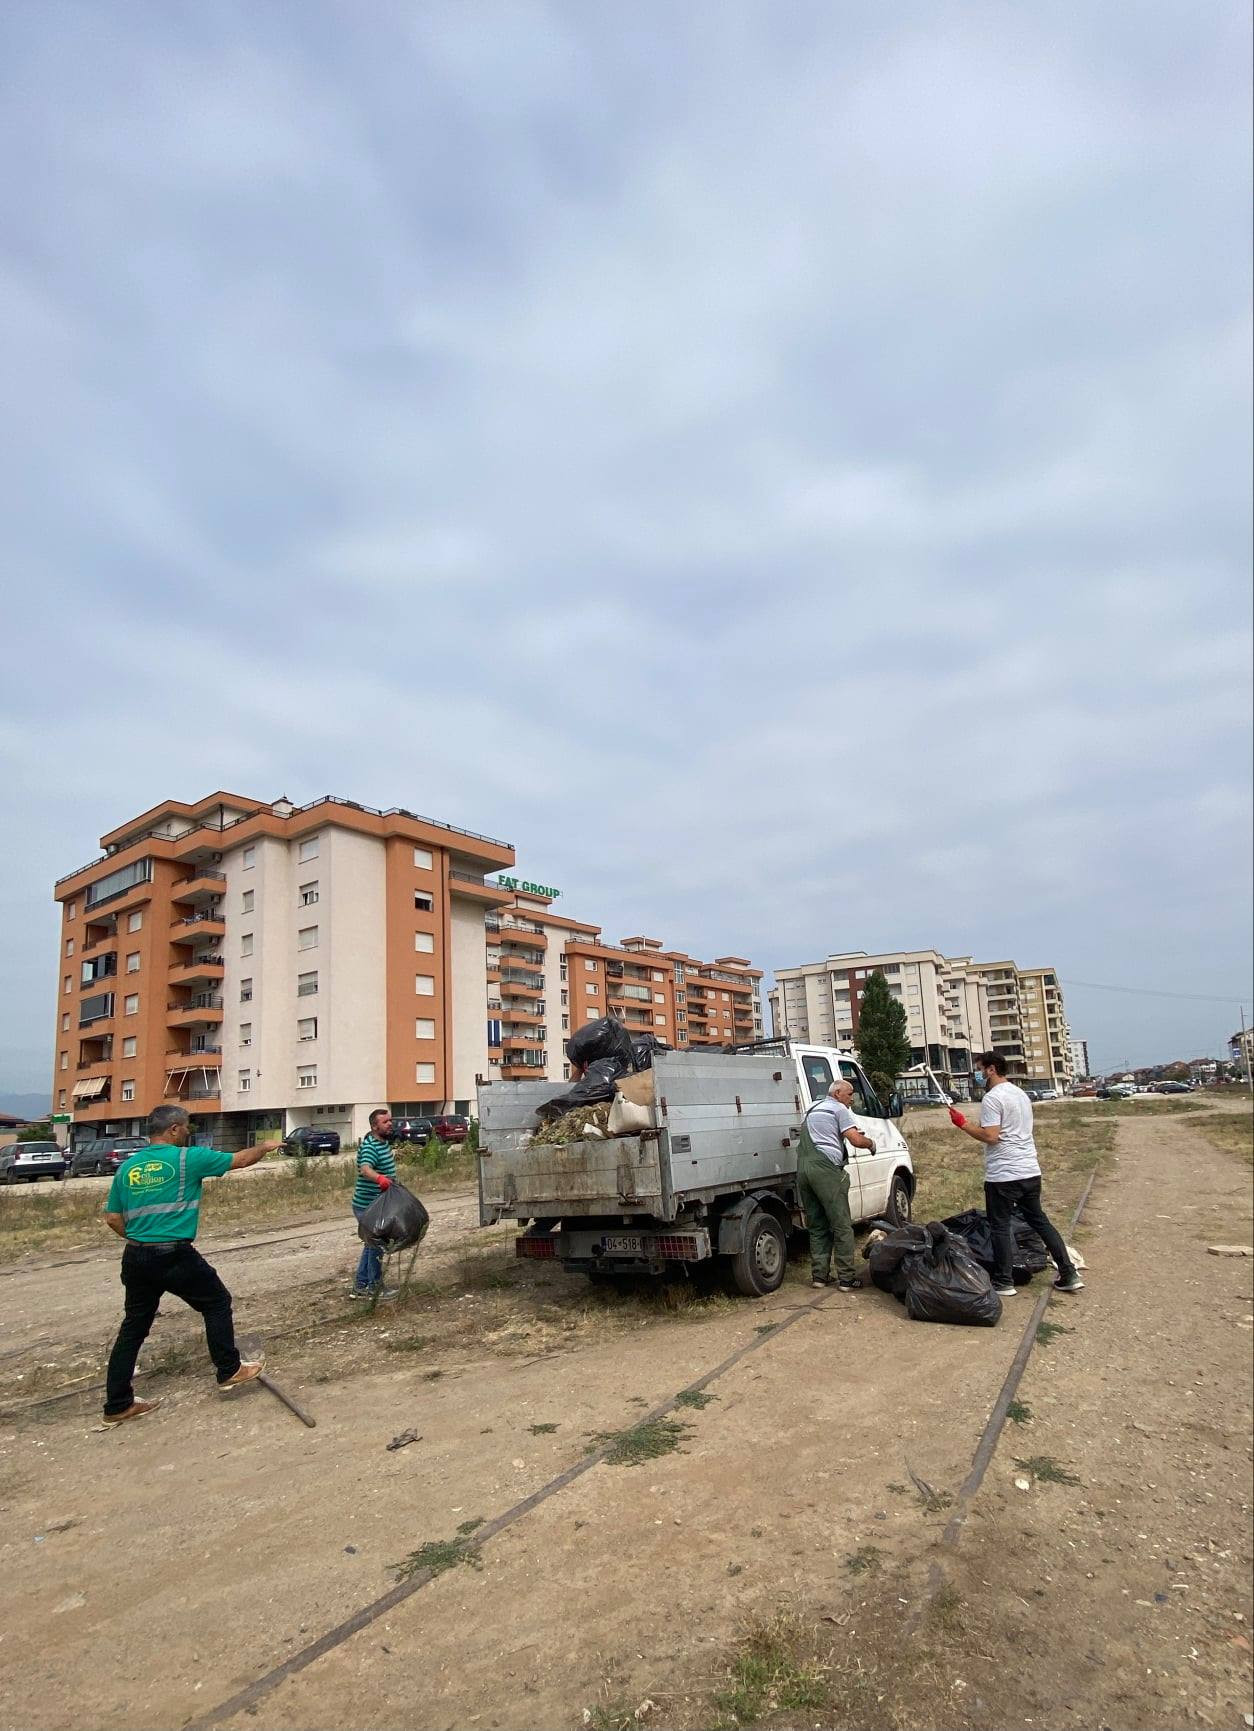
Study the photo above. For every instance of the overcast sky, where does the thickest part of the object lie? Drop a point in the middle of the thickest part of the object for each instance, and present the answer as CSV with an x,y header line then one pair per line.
x,y
784,467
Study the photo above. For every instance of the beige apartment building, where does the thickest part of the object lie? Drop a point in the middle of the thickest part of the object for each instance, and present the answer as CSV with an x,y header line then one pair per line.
x,y
955,1007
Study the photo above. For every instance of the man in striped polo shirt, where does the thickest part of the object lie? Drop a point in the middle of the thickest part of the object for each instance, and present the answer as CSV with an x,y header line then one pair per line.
x,y
376,1168
154,1204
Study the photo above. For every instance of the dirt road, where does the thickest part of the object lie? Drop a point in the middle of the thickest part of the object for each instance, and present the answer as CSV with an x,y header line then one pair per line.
x,y
242,1537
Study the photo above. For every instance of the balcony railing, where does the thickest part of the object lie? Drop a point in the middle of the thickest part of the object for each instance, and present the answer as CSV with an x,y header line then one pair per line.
x,y
210,872
198,1001
198,920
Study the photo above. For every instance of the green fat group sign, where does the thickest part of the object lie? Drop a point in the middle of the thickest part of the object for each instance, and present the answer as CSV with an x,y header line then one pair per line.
x,y
526,888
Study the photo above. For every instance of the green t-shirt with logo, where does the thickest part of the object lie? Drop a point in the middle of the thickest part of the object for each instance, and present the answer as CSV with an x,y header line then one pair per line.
x,y
156,1190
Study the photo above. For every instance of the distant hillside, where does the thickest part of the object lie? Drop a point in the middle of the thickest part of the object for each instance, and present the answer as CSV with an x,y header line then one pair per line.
x,y
25,1105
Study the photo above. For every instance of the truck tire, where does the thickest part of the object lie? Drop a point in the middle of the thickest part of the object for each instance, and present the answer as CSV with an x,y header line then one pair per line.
x,y
899,1199
758,1267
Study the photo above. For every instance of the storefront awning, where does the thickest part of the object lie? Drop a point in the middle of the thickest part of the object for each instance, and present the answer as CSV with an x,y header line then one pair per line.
x,y
90,1087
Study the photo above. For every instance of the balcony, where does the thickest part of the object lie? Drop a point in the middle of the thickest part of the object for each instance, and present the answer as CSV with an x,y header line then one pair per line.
x,y
208,1059
531,1014
522,1043
204,1009
529,983
204,883
514,1070
197,927
523,931
202,968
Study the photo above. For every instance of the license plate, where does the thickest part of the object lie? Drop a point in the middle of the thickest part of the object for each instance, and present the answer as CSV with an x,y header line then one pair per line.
x,y
622,1245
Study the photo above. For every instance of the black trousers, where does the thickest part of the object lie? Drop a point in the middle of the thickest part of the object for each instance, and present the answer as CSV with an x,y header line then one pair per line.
x,y
148,1273
1021,1196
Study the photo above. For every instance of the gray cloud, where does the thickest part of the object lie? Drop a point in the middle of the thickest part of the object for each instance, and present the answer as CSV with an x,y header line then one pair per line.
x,y
786,470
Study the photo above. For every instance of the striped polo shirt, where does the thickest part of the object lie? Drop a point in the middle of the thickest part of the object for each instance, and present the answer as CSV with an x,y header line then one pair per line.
x,y
375,1152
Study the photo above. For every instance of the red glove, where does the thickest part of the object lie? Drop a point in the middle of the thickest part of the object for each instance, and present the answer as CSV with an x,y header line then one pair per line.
x,y
956,1117
382,1182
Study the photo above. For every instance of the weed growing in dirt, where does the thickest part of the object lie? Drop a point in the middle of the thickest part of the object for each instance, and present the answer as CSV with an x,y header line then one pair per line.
x,y
468,1527
1047,1331
412,1343
437,1555
615,1715
946,1603
432,1375
774,1670
766,1328
542,1429
1232,1132
862,1561
694,1397
641,1442
1018,1412
1046,1470
172,1357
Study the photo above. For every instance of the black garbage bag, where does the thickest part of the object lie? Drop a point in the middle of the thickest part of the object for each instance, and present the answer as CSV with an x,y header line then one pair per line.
x,y
1029,1257
395,1220
946,1284
643,1046
596,1084
888,1256
605,1038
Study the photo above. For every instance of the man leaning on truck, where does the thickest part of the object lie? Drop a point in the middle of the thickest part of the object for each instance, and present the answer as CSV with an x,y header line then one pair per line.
x,y
823,1184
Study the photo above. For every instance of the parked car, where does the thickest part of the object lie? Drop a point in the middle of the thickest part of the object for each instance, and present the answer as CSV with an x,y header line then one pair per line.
x,y
451,1128
1121,1091
310,1139
1048,1094
412,1129
102,1157
24,1162
1172,1088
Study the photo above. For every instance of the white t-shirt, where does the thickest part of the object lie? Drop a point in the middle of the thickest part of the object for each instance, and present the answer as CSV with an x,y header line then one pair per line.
x,y
1013,1155
827,1122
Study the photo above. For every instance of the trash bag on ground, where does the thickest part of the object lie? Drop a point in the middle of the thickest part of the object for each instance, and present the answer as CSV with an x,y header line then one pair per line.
x,y
596,1084
395,1220
1029,1255
944,1283
888,1249
602,1039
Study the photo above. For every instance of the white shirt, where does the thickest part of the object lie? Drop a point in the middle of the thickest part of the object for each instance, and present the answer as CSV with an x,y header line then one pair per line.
x,y
827,1122
1013,1155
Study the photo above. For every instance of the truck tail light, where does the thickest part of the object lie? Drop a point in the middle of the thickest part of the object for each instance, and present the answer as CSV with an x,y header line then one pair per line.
x,y
540,1247
679,1247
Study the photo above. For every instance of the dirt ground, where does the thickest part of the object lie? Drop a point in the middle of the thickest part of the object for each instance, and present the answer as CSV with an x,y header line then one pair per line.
x,y
230,1537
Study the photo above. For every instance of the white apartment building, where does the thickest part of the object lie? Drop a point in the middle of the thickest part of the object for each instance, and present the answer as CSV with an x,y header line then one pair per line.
x,y
1079,1058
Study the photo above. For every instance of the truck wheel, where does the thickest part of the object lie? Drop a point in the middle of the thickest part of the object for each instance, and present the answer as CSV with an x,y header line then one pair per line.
x,y
899,1200
759,1265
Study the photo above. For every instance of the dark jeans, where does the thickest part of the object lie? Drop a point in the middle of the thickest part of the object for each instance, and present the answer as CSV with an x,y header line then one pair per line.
x,y
369,1263
1021,1196
148,1273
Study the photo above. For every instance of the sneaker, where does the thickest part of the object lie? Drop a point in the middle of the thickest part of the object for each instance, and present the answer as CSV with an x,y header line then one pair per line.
x,y
250,1369
854,1285
389,1292
819,1282
1006,1291
359,1292
1072,1283
137,1409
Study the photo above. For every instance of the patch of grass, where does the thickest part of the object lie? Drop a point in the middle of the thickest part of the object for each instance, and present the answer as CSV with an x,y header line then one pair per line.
x,y
642,1442
432,1375
946,1603
1231,1132
467,1527
412,1343
172,1357
610,1715
775,1669
766,1328
1046,1470
437,1555
1018,1412
694,1397
864,1560
1047,1331
899,1490
542,1429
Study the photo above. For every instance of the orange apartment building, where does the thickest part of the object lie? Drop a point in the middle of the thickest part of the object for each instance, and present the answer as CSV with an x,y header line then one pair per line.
x,y
273,965
548,974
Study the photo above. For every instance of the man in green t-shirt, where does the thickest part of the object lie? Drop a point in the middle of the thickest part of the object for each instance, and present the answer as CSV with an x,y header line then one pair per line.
x,y
154,1204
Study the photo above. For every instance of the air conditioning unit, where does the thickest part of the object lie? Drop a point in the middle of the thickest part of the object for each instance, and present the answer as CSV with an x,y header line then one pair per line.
x,y
217,859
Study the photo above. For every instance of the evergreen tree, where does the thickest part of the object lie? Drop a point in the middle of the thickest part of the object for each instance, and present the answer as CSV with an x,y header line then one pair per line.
x,y
883,1043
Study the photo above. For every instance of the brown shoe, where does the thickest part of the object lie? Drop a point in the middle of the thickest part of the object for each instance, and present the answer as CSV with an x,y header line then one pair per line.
x,y
250,1369
137,1409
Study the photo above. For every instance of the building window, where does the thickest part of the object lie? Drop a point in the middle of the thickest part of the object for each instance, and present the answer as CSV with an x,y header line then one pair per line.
x,y
245,1081
65,1060
246,944
245,1033
309,894
247,902
61,1101
422,859
307,938
135,922
71,910
130,1046
130,1004
128,1089
565,1024
659,997
656,976
591,990
306,1075
424,985
424,1072
589,965
248,858
565,1072
423,902
132,962
245,991
309,848
307,1028
69,946
65,1021
565,997
424,1028
425,942
659,1021
306,985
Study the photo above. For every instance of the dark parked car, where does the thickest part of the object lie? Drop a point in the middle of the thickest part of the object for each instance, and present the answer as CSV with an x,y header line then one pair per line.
x,y
103,1156
1172,1088
24,1162
408,1129
452,1128
309,1139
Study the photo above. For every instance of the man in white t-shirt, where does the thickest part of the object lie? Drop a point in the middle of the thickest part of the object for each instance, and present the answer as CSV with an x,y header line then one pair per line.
x,y
1012,1175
